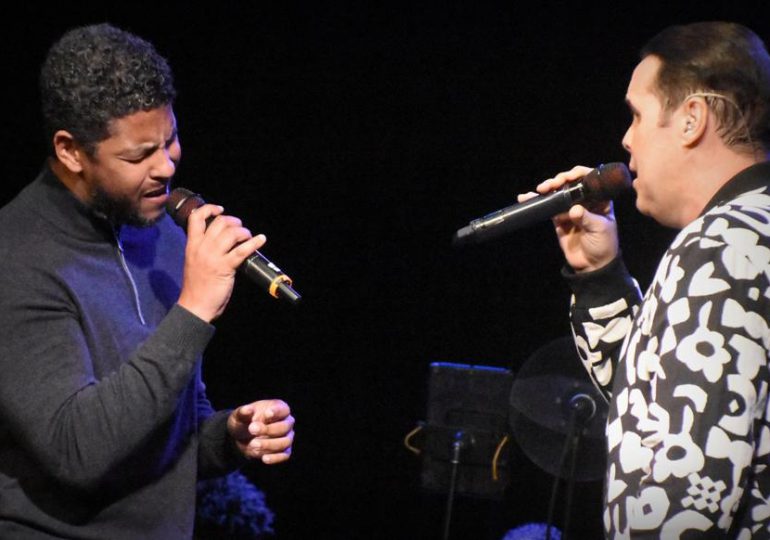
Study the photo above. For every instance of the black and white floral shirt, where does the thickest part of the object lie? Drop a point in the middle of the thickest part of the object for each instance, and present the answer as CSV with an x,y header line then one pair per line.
x,y
685,370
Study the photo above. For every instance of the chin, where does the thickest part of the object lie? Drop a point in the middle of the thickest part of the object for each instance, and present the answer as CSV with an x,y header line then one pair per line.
x,y
144,221
639,199
124,211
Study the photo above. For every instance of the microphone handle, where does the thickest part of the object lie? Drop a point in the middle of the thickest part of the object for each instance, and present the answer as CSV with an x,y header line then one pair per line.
x,y
519,216
262,270
182,202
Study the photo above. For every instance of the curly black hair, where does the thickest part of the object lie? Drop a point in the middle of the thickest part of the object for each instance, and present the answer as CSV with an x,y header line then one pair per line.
x,y
99,73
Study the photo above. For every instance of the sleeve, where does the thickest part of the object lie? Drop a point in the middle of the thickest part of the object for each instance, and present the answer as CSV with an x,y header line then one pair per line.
x,y
702,344
76,428
217,453
602,308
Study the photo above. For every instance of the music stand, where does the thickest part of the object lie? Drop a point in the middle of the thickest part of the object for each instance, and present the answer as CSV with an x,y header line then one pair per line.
x,y
466,432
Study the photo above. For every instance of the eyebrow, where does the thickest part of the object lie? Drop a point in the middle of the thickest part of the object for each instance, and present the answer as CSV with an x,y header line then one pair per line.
x,y
151,147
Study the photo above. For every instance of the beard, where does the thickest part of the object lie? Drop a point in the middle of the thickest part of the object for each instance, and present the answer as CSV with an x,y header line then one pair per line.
x,y
120,210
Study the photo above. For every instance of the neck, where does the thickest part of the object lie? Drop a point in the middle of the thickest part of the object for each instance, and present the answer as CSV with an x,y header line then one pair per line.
x,y
711,167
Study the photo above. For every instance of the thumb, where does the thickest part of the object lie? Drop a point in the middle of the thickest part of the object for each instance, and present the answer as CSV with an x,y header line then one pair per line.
x,y
577,214
588,221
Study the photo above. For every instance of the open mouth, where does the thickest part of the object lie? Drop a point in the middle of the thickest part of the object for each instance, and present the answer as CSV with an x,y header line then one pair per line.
x,y
160,192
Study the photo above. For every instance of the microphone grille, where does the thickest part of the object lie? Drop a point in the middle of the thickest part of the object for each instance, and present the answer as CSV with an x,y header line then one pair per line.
x,y
180,204
607,181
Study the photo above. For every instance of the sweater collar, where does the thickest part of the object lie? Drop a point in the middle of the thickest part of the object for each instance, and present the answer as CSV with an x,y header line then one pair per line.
x,y
754,177
67,213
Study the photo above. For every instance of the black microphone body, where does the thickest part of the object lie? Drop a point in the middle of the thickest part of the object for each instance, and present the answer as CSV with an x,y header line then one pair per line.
x,y
264,273
602,183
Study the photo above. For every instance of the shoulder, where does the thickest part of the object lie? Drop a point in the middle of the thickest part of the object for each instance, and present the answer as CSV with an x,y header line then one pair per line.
x,y
732,239
21,226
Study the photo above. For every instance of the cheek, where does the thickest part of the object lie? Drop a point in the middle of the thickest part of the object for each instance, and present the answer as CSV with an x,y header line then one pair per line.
x,y
174,153
647,153
128,178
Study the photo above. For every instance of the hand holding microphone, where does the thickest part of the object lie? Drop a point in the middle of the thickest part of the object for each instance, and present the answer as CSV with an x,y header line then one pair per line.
x,y
216,248
580,202
587,231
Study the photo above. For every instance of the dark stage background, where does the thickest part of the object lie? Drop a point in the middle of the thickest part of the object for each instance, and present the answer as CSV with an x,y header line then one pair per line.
x,y
359,137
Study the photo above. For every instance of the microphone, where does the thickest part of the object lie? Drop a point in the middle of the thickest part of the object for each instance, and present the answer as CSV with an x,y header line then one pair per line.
x,y
605,182
182,202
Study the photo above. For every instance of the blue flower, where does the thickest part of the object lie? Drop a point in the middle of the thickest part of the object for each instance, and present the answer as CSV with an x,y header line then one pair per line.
x,y
532,531
232,507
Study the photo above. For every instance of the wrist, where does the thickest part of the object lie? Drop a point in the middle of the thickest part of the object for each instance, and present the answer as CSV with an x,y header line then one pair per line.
x,y
594,266
601,286
198,309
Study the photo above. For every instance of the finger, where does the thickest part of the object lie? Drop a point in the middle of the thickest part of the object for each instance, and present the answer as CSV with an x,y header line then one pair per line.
x,y
260,447
244,413
274,429
562,220
197,220
275,411
258,429
577,214
225,232
591,217
222,223
247,246
239,422
552,184
273,459
227,237
523,197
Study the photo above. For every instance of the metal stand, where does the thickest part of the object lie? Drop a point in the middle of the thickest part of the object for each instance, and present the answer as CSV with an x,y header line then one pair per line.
x,y
457,445
582,408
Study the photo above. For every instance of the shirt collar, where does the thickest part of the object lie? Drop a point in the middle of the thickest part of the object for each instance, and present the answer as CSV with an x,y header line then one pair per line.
x,y
65,212
754,177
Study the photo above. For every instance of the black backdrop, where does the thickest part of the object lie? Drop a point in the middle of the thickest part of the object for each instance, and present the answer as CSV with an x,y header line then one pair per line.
x,y
359,137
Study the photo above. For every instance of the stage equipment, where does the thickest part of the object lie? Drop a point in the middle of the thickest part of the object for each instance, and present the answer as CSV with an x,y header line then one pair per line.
x,y
558,419
463,442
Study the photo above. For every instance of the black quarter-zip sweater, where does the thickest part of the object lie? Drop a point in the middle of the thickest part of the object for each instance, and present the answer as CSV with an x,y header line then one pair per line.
x,y
104,422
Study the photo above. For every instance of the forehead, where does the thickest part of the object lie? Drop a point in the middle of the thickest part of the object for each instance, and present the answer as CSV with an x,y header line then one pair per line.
x,y
642,84
144,126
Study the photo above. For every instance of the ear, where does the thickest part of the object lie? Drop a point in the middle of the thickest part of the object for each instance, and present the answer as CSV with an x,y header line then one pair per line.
x,y
68,151
693,121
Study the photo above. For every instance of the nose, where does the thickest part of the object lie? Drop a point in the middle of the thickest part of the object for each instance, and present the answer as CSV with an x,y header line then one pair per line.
x,y
626,142
166,161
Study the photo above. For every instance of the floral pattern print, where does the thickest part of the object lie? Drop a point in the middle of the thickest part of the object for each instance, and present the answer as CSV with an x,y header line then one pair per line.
x,y
685,369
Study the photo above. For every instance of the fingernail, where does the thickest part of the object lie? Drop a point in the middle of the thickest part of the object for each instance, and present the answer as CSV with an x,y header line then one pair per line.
x,y
256,445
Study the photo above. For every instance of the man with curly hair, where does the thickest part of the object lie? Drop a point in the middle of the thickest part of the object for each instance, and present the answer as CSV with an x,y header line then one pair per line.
x,y
107,309
685,367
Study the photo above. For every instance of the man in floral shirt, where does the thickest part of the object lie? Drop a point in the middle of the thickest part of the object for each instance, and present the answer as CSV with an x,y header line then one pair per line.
x,y
685,367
